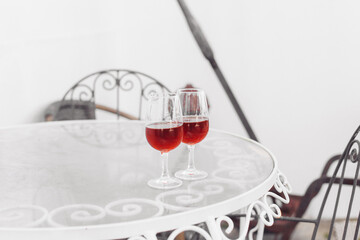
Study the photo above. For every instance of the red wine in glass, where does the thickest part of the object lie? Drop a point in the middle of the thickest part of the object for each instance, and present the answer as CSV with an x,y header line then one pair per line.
x,y
195,129
195,125
164,136
164,132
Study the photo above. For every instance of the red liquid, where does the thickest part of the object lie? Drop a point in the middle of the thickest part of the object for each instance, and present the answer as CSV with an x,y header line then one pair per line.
x,y
164,136
195,129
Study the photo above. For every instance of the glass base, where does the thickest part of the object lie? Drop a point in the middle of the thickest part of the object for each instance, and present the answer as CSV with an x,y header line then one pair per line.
x,y
165,183
191,174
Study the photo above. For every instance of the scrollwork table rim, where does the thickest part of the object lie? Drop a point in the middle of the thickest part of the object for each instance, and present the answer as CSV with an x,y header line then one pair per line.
x,y
150,225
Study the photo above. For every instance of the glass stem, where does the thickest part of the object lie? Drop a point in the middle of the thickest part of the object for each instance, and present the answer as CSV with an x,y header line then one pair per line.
x,y
164,164
191,162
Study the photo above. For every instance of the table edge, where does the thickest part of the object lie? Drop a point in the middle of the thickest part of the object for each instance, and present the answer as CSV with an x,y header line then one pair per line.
x,y
161,223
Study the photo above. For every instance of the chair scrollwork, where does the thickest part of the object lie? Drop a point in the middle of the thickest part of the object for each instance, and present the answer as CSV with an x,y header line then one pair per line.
x,y
115,82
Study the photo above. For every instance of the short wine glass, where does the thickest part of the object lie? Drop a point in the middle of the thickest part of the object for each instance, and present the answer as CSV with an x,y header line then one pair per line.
x,y
195,127
164,132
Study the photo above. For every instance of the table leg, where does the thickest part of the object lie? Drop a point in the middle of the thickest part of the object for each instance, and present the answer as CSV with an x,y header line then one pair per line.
x,y
260,231
214,229
242,221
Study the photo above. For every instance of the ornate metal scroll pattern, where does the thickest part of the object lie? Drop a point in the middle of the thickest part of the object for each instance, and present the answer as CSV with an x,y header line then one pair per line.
x,y
132,207
84,93
152,88
267,211
109,81
17,214
353,152
239,175
208,187
182,200
229,228
115,81
127,81
81,213
114,136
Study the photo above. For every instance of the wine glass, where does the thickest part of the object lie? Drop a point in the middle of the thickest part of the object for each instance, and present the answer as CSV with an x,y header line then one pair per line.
x,y
195,127
164,132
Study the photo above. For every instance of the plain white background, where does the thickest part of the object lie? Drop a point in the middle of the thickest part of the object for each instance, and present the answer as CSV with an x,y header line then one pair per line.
x,y
293,65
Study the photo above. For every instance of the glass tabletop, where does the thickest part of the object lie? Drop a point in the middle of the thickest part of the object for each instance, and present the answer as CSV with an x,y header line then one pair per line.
x,y
86,173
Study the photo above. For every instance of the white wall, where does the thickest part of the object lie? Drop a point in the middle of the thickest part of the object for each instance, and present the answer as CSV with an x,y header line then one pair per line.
x,y
293,65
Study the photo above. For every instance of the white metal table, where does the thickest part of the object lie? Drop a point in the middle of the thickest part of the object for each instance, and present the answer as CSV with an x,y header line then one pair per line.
x,y
87,180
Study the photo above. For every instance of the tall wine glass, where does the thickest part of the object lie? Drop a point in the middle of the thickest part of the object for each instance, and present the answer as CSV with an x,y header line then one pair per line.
x,y
195,127
164,132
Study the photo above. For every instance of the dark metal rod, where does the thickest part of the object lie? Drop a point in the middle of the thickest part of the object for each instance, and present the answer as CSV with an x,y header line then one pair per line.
x,y
351,200
332,180
357,228
296,219
233,101
243,215
209,55
337,199
117,82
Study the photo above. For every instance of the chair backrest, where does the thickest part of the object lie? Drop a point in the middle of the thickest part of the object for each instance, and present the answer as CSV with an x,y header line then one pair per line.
x,y
114,89
350,158
294,211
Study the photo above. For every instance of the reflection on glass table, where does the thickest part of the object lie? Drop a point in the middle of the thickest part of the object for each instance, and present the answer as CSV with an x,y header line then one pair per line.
x,y
88,180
